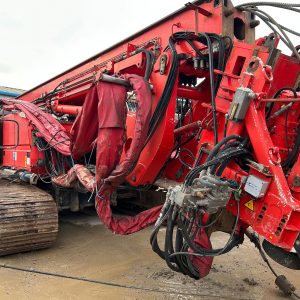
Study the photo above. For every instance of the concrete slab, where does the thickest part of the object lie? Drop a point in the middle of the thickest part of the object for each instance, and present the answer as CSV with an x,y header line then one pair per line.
x,y
86,249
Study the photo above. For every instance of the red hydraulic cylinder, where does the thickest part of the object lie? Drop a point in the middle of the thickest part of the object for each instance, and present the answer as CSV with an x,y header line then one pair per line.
x,y
68,109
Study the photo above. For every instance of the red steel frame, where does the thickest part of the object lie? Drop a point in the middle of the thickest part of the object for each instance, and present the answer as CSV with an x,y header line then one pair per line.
x,y
275,216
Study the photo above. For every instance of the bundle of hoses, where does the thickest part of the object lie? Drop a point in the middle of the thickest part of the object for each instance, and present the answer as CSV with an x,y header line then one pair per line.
x,y
220,157
150,60
276,27
192,253
190,37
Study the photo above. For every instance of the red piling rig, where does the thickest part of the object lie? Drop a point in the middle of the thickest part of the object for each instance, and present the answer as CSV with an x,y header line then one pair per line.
x,y
209,79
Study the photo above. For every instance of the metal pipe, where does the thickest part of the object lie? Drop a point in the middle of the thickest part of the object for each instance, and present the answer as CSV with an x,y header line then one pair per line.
x,y
280,111
85,80
90,80
25,176
188,92
9,94
280,100
115,80
192,126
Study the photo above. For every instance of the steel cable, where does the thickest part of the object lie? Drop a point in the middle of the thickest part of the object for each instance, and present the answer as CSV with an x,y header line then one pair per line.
x,y
281,30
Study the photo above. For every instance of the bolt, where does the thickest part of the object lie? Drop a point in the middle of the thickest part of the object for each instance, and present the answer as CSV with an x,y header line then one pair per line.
x,y
199,194
296,181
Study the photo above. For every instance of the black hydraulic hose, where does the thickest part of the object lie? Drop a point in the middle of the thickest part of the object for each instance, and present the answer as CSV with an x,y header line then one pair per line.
x,y
212,85
185,260
276,96
193,173
190,265
184,263
181,262
230,47
227,147
165,98
232,145
149,62
153,237
205,39
169,249
49,95
225,163
217,147
178,245
182,267
232,241
190,42
166,94
208,224
221,58
155,246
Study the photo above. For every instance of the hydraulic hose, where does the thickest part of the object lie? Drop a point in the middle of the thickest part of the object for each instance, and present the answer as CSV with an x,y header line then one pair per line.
x,y
166,94
217,147
149,62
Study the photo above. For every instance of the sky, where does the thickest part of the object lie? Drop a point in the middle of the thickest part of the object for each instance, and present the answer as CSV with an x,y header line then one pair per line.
x,y
42,38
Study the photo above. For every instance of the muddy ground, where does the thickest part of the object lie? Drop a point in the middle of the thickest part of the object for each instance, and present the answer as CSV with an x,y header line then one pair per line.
x,y
128,269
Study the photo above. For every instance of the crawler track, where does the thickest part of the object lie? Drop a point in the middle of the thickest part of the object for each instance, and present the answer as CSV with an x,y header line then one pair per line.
x,y
28,218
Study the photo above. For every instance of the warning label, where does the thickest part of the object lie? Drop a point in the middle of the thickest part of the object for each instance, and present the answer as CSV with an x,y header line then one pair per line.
x,y
250,204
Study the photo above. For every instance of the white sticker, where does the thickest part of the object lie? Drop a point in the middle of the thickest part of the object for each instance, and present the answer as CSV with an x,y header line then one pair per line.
x,y
14,155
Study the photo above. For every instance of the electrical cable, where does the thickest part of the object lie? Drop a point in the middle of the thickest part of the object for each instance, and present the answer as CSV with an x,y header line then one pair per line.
x,y
111,284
